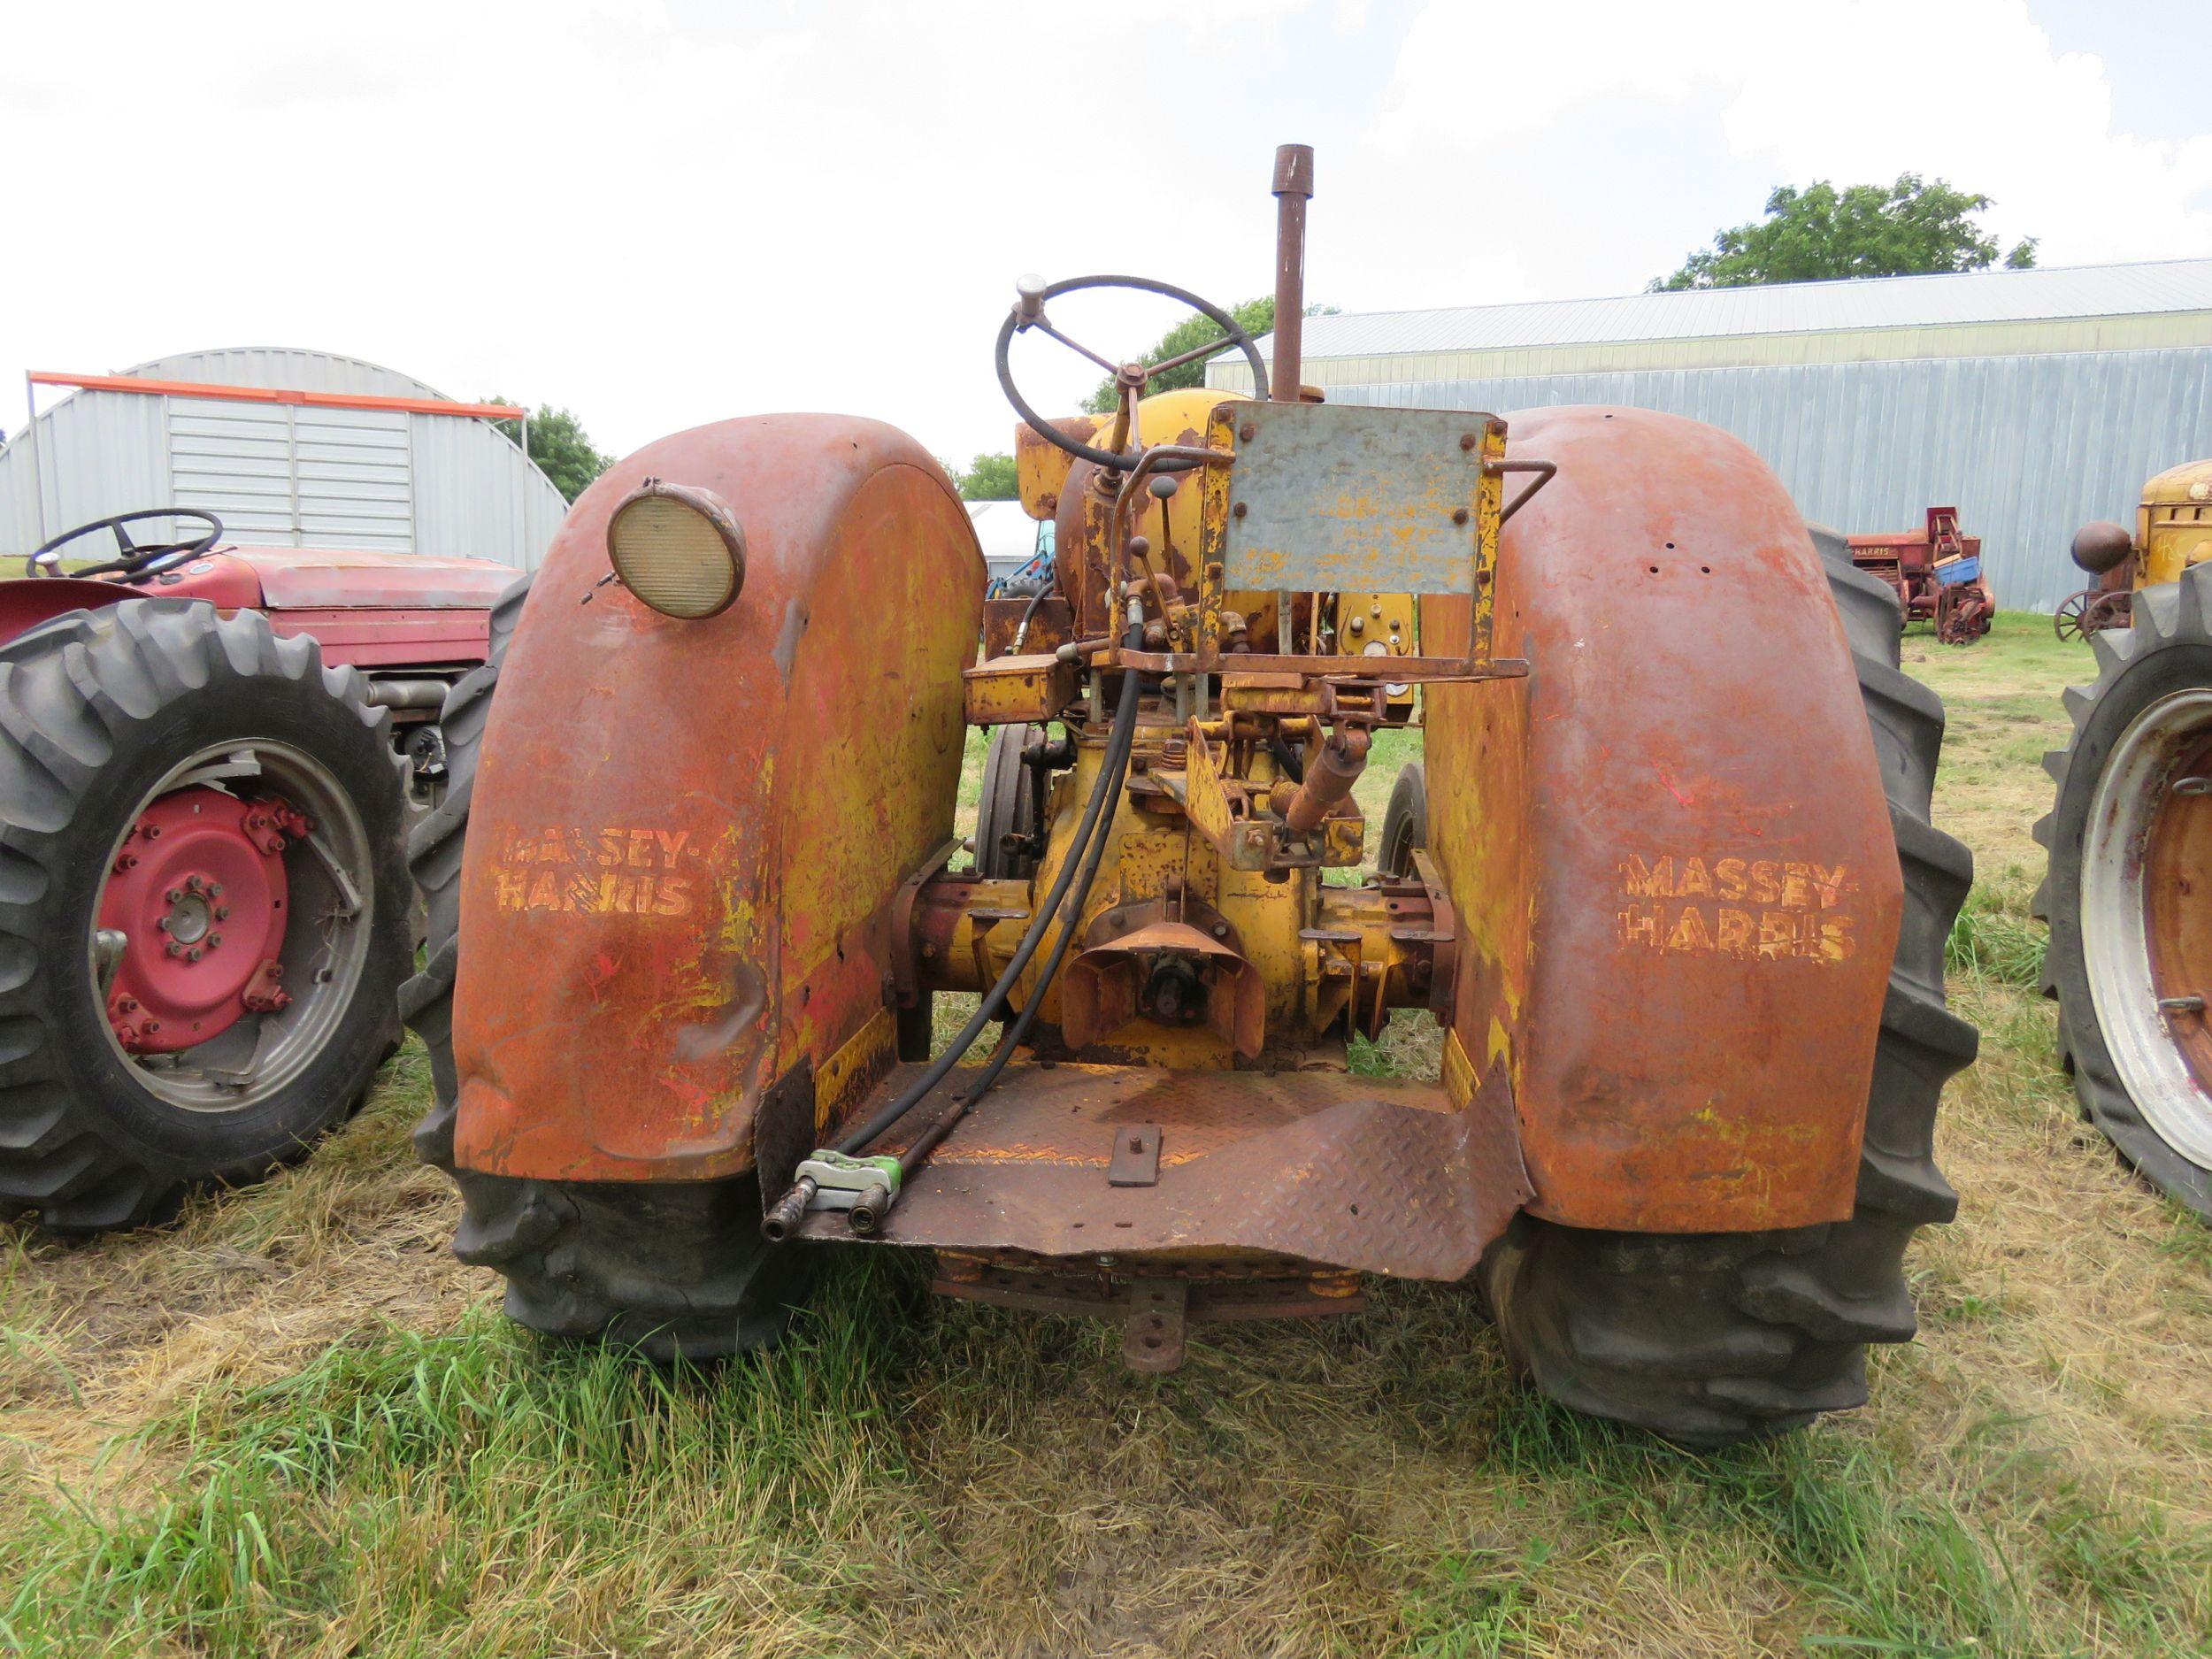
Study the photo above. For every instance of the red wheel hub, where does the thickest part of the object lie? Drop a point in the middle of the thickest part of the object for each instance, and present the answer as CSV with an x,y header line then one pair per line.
x,y
198,890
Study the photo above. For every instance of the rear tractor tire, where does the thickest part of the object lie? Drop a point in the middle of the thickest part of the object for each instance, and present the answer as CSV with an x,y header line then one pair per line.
x,y
1713,1339
204,907
1006,808
1405,830
677,1270
2129,840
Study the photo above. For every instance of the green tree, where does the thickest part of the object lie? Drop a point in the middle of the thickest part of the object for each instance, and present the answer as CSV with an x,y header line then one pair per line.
x,y
988,478
1910,228
559,445
1254,316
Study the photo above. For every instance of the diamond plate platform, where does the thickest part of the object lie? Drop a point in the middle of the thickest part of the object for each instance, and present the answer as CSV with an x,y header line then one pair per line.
x,y
1373,1175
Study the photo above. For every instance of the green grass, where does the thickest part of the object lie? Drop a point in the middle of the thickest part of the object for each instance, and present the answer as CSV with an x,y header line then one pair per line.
x,y
295,1426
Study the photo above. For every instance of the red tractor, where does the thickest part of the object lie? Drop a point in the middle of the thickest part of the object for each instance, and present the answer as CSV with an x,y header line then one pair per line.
x,y
209,759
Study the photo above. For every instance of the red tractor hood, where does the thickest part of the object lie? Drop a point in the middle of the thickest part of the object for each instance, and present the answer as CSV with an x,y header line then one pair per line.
x,y
279,579
345,578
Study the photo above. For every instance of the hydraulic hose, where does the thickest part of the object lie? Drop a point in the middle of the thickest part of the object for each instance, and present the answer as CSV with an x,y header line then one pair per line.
x,y
865,1215
1021,632
1118,744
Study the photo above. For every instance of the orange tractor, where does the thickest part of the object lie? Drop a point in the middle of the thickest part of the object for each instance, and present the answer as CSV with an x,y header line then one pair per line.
x,y
1665,879
2129,840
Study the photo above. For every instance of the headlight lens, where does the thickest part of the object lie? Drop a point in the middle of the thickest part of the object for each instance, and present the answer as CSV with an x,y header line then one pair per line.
x,y
679,550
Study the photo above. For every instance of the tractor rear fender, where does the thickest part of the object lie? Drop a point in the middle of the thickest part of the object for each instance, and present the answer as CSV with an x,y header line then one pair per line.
x,y
1669,846
685,837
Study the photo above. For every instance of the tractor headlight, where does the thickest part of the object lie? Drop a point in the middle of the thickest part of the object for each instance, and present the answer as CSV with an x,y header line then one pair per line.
x,y
679,550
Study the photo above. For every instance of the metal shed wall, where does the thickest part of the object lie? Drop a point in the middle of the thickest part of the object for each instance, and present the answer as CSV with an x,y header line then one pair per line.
x,y
2028,448
420,483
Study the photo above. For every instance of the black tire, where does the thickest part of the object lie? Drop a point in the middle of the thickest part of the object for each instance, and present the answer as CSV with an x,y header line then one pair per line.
x,y
1405,828
96,709
677,1269
1716,1338
2167,650
1005,806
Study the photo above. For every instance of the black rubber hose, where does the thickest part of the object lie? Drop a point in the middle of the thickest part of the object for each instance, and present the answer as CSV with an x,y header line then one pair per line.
x,y
1021,631
1117,748
925,1143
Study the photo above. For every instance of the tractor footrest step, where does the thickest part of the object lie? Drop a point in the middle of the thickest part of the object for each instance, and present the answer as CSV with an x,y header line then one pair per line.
x,y
1376,1175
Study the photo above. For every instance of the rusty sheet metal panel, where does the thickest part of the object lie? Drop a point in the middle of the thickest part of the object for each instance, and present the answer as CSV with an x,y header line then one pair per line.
x,y
1374,1175
686,837
1324,499
1676,886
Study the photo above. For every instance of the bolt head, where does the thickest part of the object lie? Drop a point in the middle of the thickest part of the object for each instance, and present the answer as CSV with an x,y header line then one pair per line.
x,y
194,954
175,949
162,922
222,912
152,1025
175,894
215,891
214,940
194,883
1459,516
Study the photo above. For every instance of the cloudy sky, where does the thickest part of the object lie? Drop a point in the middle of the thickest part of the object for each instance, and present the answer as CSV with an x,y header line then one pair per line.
x,y
659,212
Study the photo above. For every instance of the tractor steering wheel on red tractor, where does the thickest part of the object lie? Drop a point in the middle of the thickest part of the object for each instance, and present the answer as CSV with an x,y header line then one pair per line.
x,y
131,560
1029,312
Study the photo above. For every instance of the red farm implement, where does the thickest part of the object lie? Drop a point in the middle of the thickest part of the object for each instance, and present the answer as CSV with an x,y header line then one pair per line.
x,y
1937,573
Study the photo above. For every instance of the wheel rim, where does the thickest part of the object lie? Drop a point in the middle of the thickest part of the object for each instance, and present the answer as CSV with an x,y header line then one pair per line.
x,y
325,904
2067,622
2147,916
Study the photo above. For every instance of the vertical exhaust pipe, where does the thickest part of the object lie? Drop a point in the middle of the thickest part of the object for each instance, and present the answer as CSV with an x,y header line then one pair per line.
x,y
1294,187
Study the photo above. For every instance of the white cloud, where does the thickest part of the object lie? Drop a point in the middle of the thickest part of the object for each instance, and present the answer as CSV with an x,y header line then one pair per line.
x,y
662,211
1852,90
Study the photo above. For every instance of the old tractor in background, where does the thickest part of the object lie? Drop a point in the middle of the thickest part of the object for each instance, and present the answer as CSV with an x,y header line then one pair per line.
x,y
1675,901
1937,573
209,754
2128,890
2173,530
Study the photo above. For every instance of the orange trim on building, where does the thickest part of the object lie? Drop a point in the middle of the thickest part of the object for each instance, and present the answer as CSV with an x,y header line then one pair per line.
x,y
146,387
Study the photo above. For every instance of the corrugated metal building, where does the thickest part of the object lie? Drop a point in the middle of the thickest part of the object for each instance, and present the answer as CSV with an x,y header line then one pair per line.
x,y
2031,400
281,474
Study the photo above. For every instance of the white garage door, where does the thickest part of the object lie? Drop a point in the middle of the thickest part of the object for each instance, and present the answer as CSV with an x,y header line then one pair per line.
x,y
295,476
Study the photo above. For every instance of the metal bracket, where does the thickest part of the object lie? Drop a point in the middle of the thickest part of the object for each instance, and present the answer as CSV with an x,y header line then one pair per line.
x,y
1152,1338
905,984
1136,1157
1156,1313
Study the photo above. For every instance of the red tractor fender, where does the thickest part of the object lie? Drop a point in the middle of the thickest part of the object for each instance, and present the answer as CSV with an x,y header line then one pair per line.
x,y
31,599
685,838
1669,846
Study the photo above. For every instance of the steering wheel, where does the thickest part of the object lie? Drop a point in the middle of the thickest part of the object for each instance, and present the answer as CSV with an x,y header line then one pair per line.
x,y
131,559
1029,312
